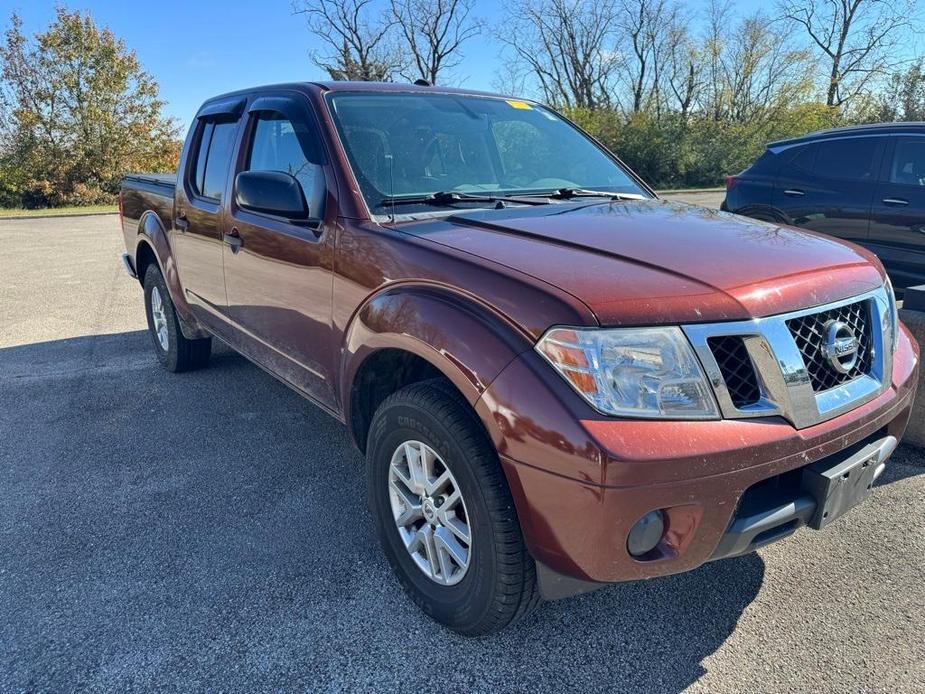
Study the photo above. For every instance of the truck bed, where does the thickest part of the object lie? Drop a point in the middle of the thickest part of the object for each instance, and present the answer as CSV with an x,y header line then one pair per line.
x,y
163,182
143,192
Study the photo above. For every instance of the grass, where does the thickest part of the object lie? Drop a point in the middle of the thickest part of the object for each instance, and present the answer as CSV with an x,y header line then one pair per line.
x,y
7,212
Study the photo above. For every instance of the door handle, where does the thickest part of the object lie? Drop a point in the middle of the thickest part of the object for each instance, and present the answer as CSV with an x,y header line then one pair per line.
x,y
794,192
895,201
233,240
181,223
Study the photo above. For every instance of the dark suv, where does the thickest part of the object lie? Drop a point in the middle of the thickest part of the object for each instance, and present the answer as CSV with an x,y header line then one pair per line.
x,y
865,184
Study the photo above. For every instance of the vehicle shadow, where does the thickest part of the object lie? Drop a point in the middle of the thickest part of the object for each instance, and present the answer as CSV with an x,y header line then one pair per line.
x,y
211,527
906,462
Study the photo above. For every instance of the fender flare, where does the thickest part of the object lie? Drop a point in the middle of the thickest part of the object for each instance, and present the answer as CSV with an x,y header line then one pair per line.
x,y
151,232
764,213
464,339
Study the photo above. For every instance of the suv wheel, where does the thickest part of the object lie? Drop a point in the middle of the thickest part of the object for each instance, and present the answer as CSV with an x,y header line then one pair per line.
x,y
444,512
174,351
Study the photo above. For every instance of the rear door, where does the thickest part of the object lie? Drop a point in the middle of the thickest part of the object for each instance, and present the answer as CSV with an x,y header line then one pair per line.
x,y
199,216
278,272
897,224
828,185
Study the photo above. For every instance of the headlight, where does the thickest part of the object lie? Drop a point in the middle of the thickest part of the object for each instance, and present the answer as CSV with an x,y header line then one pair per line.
x,y
894,313
632,372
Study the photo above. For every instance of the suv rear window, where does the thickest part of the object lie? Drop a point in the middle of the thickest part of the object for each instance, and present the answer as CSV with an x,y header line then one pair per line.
x,y
850,158
767,163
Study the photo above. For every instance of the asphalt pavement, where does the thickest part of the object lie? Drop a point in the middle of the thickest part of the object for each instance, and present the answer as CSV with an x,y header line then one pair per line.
x,y
208,531
705,198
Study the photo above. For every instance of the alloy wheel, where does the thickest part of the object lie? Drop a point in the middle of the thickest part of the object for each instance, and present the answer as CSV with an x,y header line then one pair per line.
x,y
159,317
430,513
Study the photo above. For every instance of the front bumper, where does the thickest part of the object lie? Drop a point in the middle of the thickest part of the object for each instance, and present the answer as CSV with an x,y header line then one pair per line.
x,y
580,481
776,507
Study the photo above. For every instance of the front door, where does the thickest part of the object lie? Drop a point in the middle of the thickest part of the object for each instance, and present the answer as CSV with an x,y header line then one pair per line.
x,y
897,221
278,272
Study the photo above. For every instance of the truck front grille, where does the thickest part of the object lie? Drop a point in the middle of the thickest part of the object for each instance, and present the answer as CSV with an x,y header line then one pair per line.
x,y
778,365
809,333
737,369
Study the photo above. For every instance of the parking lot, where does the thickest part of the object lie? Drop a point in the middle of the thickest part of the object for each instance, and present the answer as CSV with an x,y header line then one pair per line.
x,y
209,531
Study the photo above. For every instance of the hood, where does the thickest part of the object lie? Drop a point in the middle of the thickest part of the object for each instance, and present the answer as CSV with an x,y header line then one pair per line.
x,y
657,261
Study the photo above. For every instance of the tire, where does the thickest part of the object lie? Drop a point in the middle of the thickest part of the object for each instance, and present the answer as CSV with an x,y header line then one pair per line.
x,y
498,586
174,351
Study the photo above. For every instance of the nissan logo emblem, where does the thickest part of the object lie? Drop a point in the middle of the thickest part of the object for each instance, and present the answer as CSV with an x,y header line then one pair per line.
x,y
841,346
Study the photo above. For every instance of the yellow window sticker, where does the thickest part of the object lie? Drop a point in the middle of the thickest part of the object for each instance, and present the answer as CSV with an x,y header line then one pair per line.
x,y
520,104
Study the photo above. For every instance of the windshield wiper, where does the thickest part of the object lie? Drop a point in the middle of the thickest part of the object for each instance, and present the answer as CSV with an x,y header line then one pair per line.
x,y
445,197
569,193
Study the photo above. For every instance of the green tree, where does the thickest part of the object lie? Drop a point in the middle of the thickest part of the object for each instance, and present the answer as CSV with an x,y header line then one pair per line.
x,y
903,99
78,112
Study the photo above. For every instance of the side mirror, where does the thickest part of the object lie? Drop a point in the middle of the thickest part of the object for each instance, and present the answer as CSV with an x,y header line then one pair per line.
x,y
271,192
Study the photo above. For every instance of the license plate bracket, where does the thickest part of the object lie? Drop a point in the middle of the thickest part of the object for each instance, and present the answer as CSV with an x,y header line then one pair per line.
x,y
841,486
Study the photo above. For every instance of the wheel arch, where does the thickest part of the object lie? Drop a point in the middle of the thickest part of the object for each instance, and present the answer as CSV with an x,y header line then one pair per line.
x,y
764,213
153,246
415,332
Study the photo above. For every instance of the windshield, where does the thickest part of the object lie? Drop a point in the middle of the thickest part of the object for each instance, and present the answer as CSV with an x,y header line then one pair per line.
x,y
415,145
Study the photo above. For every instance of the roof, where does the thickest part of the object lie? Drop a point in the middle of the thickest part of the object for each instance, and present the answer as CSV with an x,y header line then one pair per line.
x,y
335,86
370,87
853,130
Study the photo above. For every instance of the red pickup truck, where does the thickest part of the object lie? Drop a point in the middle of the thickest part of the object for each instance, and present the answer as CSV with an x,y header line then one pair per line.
x,y
558,379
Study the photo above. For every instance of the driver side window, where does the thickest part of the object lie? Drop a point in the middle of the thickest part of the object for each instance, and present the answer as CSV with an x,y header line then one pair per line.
x,y
280,145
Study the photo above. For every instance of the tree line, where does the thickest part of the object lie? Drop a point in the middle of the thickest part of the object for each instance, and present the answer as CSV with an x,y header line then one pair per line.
x,y
684,94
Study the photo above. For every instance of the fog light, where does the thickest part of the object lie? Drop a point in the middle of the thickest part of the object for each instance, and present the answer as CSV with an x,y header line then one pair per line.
x,y
646,534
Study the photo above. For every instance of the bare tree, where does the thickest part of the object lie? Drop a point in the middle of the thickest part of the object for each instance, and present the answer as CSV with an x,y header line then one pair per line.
x,y
647,26
855,37
719,16
762,71
433,32
685,70
512,76
752,69
359,41
568,47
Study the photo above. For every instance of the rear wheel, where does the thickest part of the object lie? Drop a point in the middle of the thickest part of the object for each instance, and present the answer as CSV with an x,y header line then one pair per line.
x,y
174,351
444,512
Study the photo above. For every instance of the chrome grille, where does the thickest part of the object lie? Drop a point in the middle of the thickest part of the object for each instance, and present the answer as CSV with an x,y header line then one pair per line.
x,y
788,372
737,369
809,333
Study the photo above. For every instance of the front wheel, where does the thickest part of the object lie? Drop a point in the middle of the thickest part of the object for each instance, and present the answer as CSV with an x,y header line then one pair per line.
x,y
444,512
174,351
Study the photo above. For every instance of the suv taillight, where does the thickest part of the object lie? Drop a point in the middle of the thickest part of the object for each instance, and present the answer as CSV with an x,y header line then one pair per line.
x,y
731,182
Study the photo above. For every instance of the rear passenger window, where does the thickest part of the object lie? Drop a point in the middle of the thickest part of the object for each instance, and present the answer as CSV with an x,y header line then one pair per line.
x,y
908,166
849,158
280,145
767,163
213,159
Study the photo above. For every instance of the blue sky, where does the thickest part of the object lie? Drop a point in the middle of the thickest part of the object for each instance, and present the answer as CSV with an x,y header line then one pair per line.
x,y
199,48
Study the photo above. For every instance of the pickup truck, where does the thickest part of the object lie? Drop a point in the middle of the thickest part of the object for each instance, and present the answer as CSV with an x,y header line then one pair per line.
x,y
558,380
